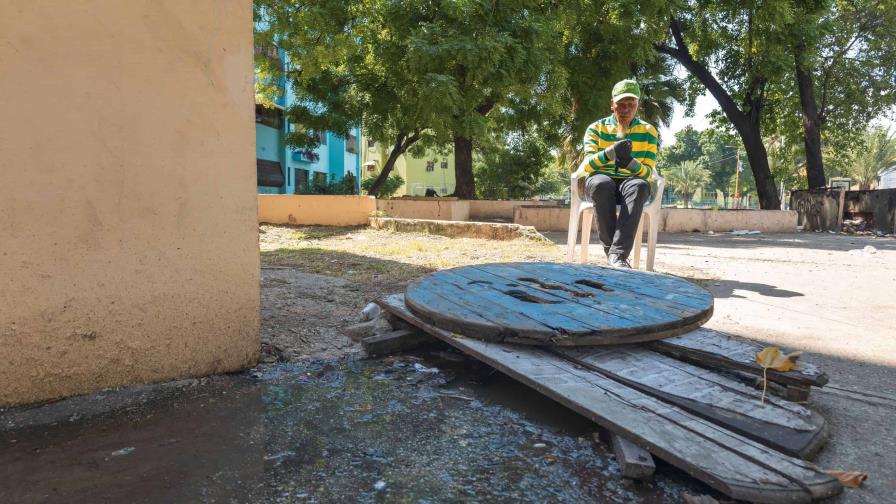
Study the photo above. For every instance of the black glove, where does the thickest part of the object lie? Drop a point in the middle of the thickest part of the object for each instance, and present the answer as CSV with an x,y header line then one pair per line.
x,y
619,150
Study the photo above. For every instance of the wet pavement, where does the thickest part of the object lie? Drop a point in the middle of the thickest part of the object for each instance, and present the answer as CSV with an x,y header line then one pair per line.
x,y
424,428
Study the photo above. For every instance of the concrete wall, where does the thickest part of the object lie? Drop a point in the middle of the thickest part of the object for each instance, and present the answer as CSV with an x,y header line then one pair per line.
x,y
450,209
315,210
674,220
500,209
684,220
128,234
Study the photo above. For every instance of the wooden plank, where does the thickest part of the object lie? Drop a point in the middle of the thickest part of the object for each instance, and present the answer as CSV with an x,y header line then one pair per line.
x,y
730,463
395,341
440,306
505,302
648,284
709,348
601,293
787,427
634,462
650,314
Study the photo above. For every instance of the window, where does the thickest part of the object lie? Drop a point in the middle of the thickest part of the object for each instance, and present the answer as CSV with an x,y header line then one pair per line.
x,y
301,177
370,143
269,173
351,144
322,137
268,116
320,179
430,166
444,165
444,190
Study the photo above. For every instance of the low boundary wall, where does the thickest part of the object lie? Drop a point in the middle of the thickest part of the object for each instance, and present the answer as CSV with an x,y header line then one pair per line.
x,y
318,210
674,220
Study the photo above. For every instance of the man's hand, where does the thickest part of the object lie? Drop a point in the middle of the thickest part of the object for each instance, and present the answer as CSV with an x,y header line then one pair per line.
x,y
619,150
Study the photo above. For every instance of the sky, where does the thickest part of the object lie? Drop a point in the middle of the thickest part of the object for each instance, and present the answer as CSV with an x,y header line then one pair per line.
x,y
706,103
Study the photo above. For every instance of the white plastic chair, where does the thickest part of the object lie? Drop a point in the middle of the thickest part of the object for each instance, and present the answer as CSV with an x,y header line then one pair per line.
x,y
584,211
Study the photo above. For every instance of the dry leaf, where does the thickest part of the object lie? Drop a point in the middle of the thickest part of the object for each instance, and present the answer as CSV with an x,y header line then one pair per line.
x,y
364,407
772,358
851,479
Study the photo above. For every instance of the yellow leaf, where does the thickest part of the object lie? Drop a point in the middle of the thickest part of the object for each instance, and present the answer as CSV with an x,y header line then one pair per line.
x,y
772,358
851,479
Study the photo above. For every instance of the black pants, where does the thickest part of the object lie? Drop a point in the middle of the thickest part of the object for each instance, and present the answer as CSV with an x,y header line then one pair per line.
x,y
617,235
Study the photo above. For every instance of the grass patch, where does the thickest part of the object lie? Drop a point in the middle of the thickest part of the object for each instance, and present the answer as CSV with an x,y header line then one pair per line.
x,y
368,255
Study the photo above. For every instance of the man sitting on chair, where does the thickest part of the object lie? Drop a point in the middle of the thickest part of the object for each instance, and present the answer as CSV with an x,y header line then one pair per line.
x,y
620,152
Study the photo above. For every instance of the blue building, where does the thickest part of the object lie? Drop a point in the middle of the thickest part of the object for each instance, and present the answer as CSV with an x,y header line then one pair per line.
x,y
287,170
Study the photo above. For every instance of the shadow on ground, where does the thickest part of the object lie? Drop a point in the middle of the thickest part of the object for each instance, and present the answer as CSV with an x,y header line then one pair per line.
x,y
726,288
337,431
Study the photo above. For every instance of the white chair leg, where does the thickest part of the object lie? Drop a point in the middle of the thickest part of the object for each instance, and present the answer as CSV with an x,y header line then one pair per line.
x,y
587,217
652,229
573,232
636,260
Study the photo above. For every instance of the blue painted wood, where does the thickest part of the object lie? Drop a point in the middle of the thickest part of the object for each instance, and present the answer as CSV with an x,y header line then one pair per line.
x,y
541,303
615,302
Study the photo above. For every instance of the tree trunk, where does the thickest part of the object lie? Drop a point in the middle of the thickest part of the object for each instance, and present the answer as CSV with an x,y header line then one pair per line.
x,y
463,168
747,126
402,142
811,124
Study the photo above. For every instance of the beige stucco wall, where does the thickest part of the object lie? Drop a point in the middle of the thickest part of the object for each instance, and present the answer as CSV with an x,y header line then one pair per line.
x,y
684,220
450,209
128,234
500,209
318,210
674,220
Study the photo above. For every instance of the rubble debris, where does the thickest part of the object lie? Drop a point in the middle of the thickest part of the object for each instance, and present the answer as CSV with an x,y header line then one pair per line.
x,y
370,312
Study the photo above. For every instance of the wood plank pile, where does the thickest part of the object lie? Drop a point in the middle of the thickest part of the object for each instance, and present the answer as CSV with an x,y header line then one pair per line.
x,y
682,399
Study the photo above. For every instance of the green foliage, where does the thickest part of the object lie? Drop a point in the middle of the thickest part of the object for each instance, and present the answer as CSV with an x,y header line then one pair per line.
x,y
686,178
431,71
391,186
714,150
345,185
876,153
517,166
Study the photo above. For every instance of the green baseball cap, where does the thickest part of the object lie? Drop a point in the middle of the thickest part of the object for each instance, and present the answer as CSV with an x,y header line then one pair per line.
x,y
626,88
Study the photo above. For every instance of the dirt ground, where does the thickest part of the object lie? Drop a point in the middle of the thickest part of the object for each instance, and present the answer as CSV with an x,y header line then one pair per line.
x,y
317,422
821,293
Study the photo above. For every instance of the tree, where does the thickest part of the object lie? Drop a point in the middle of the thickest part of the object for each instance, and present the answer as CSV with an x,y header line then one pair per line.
x,y
686,178
603,43
844,63
347,67
414,74
876,154
493,57
687,147
512,167
743,42
387,189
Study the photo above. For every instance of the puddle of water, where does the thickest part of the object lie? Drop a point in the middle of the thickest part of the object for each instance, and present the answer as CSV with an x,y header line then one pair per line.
x,y
361,431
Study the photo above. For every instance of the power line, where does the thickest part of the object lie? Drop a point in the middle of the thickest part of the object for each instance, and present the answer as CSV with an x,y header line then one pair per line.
x,y
723,159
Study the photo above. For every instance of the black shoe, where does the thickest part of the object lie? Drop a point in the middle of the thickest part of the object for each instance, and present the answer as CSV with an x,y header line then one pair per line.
x,y
617,261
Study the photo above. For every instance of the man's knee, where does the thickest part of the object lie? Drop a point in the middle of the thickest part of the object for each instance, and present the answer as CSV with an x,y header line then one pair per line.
x,y
639,187
599,187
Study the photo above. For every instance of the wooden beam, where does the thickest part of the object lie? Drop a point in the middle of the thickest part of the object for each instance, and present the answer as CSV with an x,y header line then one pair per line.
x,y
634,462
708,348
728,462
395,341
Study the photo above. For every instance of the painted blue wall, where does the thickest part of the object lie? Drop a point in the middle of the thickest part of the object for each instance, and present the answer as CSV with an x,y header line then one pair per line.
x,y
332,160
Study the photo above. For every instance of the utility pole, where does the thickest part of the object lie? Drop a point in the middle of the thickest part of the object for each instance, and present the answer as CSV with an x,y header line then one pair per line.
x,y
737,179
